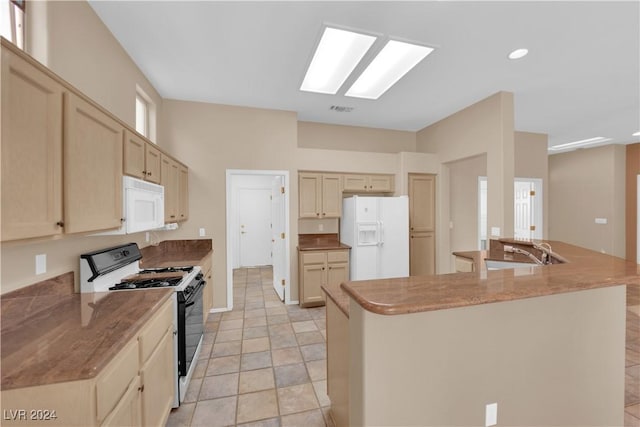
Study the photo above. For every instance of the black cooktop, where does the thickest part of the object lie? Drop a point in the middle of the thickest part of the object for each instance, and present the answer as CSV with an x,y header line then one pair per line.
x,y
147,283
167,270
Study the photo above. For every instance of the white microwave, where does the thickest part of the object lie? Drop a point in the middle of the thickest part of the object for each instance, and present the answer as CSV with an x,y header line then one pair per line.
x,y
142,207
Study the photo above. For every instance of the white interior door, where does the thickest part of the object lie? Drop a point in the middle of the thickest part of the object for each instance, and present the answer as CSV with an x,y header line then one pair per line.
x,y
278,235
254,219
527,208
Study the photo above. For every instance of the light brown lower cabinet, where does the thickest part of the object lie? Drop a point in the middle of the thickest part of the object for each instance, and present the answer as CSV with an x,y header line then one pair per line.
x,y
132,390
422,253
317,268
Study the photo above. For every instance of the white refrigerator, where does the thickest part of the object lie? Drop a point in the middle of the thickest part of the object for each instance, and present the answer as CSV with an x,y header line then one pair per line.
x,y
377,229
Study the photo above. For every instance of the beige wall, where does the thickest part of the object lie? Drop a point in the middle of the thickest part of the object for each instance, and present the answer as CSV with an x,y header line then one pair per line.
x,y
354,138
532,161
583,185
484,127
463,202
68,37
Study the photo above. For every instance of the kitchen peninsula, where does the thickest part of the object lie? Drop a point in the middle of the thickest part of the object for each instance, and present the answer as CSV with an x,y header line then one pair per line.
x,y
546,343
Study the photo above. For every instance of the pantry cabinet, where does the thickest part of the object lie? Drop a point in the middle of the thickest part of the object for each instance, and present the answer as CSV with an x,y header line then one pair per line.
x,y
31,151
319,268
92,167
141,158
133,389
320,195
372,183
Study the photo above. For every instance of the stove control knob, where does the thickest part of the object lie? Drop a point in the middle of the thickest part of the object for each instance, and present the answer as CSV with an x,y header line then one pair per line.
x,y
199,276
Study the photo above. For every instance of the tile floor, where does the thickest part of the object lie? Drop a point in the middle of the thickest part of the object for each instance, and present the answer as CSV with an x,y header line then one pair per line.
x,y
263,364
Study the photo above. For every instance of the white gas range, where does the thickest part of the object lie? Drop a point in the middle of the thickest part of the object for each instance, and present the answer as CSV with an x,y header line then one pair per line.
x,y
117,269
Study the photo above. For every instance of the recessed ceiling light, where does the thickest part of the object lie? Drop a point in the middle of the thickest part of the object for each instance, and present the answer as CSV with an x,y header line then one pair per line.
x,y
581,143
518,53
394,61
636,134
337,54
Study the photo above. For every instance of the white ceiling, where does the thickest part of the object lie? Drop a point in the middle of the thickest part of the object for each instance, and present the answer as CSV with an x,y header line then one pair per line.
x,y
581,78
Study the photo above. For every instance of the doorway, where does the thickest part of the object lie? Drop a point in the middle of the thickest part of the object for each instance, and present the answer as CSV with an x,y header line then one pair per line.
x,y
258,226
422,224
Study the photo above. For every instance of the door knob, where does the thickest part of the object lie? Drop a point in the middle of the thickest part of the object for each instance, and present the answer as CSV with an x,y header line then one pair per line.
x,y
243,232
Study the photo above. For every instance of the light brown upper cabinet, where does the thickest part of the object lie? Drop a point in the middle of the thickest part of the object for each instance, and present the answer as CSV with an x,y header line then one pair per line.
x,y
422,199
373,183
31,151
92,167
183,192
141,158
320,195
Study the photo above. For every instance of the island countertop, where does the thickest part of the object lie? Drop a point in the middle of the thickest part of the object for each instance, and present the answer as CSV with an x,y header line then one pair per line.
x,y
584,269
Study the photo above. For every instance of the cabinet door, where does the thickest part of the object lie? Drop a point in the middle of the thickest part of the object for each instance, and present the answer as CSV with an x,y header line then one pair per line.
x,y
134,154
331,196
169,179
158,379
337,273
92,167
422,258
127,412
152,163
309,195
31,151
183,193
356,183
381,183
422,196
313,277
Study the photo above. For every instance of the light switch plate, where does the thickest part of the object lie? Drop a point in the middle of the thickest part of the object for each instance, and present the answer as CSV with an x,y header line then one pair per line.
x,y
491,415
202,232
41,264
320,227
495,231
601,220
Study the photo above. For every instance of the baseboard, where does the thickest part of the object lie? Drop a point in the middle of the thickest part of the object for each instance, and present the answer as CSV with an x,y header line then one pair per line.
x,y
292,302
219,310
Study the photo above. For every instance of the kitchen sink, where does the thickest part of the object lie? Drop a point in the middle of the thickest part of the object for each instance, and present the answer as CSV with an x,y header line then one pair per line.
x,y
501,265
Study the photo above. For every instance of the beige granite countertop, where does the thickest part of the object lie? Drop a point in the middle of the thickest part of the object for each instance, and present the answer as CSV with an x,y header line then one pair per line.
x,y
584,269
320,242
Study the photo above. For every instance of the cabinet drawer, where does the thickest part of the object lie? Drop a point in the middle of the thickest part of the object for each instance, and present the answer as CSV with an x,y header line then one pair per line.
x,y
337,256
314,257
115,379
206,266
464,265
155,329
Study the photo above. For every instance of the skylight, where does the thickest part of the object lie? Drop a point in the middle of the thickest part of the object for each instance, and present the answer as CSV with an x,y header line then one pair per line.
x,y
337,54
581,143
394,61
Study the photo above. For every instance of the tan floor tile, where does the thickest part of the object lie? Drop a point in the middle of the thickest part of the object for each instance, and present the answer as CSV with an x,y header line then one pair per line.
x,y
226,348
181,416
308,419
311,352
257,332
219,386
286,356
252,322
277,310
283,341
281,329
297,398
317,369
258,312
251,361
216,412
304,326
271,422
299,316
257,406
630,420
277,319
256,380
223,365
255,345
306,338
230,335
328,419
232,315
633,410
209,338
200,369
205,351
225,325
193,390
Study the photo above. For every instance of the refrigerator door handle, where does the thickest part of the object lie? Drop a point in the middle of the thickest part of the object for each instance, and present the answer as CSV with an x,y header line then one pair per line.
x,y
380,233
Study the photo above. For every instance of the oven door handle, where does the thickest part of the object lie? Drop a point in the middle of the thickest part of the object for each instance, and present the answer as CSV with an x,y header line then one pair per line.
x,y
192,296
189,304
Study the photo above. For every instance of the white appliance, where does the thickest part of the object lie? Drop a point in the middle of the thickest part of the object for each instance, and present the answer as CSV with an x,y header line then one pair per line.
x,y
110,270
142,206
377,229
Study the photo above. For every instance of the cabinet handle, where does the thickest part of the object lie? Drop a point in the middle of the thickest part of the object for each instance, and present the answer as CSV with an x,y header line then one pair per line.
x,y
60,223
144,172
148,173
365,187
172,216
411,228
323,268
317,213
122,219
371,186
141,388
412,236
323,214
329,267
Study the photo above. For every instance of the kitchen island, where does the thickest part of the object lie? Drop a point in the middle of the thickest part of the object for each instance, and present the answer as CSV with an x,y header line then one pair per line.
x,y
546,343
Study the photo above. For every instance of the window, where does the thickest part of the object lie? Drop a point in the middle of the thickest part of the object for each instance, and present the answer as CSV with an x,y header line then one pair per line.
x,y
145,115
142,116
12,21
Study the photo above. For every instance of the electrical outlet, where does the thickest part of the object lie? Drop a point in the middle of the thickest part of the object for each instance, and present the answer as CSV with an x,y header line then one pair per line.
x,y
491,415
601,221
202,233
320,227
495,231
41,264
146,236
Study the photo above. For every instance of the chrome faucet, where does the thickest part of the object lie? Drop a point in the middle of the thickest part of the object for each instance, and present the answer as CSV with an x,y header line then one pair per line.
x,y
545,248
528,254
